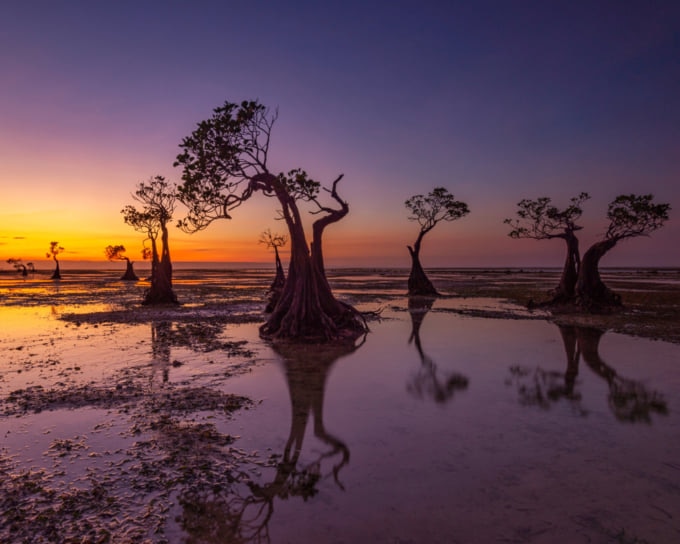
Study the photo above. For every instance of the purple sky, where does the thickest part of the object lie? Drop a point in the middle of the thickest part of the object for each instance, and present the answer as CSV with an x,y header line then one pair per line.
x,y
497,101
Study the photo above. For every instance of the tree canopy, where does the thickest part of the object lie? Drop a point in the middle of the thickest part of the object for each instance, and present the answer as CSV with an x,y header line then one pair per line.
x,y
635,215
272,240
539,219
115,253
438,205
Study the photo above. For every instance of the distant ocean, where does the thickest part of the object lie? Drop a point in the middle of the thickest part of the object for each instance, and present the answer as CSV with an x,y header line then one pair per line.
x,y
142,267
145,265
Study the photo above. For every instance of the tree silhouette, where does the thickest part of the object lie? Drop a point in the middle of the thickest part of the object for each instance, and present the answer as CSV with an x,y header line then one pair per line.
x,y
224,163
19,266
274,241
427,382
428,210
158,200
629,216
540,220
55,249
115,253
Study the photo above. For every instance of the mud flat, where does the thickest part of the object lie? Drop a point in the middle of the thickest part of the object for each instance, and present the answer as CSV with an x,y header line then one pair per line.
x,y
466,418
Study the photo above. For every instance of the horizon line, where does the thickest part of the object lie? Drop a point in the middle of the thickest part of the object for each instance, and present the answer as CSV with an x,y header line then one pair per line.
x,y
106,265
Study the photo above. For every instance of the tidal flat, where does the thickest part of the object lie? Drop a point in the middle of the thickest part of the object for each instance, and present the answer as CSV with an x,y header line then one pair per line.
x,y
467,418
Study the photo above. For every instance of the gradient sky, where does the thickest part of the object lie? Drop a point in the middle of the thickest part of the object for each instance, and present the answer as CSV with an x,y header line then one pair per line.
x,y
497,101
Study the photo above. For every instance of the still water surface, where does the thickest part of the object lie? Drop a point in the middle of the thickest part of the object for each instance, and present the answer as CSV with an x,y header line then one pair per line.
x,y
492,432
437,428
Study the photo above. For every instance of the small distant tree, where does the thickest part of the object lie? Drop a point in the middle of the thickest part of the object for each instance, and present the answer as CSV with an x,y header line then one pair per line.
x,y
55,249
116,253
275,241
19,266
147,255
158,201
629,216
428,210
540,220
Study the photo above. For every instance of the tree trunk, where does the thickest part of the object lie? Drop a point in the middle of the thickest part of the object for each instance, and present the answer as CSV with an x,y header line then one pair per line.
x,y
56,275
591,292
418,282
280,278
166,263
129,272
161,291
276,287
306,309
566,289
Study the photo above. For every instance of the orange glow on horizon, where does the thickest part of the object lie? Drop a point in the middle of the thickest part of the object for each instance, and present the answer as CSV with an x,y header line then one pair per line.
x,y
365,239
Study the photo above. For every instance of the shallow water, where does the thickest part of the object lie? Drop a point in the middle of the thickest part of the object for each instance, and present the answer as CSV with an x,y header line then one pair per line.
x,y
488,458
440,427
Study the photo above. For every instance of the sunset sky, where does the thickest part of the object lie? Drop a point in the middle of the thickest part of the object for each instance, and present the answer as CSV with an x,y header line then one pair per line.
x,y
497,101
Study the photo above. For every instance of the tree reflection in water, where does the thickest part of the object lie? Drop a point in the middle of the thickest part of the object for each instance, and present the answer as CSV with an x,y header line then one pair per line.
x,y
629,400
244,516
426,382
200,337
160,350
542,387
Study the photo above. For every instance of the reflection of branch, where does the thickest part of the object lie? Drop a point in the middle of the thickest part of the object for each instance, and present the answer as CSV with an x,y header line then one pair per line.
x,y
550,386
230,519
544,388
202,337
425,382
629,400
205,337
